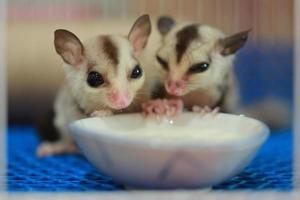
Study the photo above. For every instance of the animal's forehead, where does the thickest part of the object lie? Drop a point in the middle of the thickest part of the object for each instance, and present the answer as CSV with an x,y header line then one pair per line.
x,y
190,39
205,32
188,33
107,49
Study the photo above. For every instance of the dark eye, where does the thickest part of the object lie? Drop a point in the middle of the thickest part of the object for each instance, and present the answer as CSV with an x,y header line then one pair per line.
x,y
199,67
95,79
163,63
137,72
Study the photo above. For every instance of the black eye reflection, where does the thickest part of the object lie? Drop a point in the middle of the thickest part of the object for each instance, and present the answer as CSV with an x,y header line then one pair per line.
x,y
199,67
162,62
95,79
137,72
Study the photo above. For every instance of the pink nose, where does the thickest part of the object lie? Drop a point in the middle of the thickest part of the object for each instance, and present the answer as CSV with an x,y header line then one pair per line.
x,y
119,100
175,87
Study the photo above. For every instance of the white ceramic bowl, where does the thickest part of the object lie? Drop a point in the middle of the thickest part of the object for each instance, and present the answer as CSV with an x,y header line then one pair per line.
x,y
144,162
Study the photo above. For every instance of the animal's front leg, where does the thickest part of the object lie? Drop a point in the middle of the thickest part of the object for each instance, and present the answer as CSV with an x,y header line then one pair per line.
x,y
56,148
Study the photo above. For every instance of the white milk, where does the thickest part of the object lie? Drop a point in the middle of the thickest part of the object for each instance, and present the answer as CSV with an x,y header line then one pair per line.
x,y
180,134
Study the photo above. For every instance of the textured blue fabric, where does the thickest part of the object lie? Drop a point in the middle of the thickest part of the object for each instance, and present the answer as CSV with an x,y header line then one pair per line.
x,y
271,169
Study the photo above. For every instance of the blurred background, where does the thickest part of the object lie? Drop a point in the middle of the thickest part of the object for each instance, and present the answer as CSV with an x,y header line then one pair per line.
x,y
264,66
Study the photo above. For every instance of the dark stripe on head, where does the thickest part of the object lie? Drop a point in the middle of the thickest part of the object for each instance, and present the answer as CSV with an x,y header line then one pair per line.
x,y
110,50
184,37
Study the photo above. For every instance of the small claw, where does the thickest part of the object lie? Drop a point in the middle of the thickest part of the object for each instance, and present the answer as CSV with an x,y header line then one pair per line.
x,y
196,109
171,112
93,114
215,111
201,110
207,109
156,110
175,107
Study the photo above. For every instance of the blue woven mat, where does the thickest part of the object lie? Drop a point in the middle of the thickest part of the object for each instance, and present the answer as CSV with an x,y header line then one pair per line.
x,y
271,169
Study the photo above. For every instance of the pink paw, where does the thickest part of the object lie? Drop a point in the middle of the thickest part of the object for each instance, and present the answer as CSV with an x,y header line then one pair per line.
x,y
205,110
163,107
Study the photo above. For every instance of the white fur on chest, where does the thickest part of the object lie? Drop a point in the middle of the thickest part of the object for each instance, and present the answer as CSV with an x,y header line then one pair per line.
x,y
66,111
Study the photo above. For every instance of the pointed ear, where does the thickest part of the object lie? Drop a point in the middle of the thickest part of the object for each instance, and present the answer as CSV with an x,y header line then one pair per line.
x,y
139,33
233,43
68,46
165,24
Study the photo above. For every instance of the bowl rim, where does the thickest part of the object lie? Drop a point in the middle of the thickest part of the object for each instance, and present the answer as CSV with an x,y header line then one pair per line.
x,y
257,139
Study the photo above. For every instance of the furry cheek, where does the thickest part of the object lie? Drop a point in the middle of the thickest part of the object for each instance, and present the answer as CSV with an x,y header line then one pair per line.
x,y
197,81
135,86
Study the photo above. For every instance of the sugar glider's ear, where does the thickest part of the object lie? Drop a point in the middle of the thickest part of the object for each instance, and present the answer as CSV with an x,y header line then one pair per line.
x,y
233,43
68,46
139,33
165,24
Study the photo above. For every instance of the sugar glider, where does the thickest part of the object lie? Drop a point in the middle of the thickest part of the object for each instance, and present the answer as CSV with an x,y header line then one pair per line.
x,y
195,64
103,77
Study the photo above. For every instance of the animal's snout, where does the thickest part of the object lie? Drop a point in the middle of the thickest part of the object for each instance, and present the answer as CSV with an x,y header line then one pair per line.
x,y
175,87
119,99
